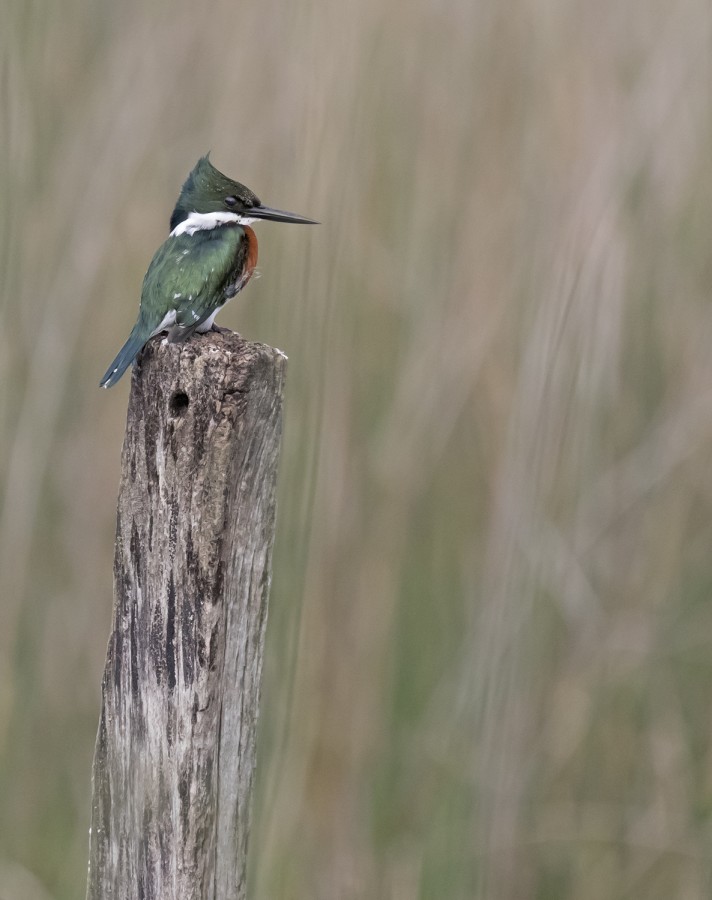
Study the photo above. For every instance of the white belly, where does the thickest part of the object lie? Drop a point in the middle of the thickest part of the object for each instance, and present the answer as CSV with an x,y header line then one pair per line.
x,y
208,323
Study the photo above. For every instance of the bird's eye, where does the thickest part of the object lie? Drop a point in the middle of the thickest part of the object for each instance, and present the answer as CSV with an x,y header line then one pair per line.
x,y
230,201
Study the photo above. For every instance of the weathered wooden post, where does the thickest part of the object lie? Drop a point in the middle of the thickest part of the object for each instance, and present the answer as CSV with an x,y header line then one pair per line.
x,y
175,750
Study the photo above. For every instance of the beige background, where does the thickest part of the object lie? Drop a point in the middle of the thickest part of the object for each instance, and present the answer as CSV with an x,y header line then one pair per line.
x,y
489,660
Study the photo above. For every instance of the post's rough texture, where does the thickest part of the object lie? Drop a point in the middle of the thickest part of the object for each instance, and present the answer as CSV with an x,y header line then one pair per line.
x,y
176,745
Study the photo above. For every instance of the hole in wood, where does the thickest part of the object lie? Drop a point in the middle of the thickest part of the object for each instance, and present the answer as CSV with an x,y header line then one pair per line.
x,y
179,403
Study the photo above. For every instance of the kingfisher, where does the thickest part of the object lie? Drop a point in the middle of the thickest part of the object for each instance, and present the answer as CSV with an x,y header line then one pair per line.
x,y
209,257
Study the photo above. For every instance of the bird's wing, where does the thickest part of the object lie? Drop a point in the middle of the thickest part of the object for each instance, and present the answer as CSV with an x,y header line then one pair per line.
x,y
189,275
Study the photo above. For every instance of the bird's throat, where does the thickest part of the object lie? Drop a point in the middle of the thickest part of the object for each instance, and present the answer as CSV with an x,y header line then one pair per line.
x,y
196,221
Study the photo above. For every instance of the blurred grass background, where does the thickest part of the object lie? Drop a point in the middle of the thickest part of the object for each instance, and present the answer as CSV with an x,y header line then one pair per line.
x,y
489,658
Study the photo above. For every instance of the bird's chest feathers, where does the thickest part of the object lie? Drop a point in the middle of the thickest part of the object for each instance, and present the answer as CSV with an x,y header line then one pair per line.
x,y
243,264
251,255
237,259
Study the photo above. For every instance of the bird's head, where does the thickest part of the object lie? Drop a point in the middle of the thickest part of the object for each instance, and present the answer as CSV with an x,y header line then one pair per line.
x,y
207,190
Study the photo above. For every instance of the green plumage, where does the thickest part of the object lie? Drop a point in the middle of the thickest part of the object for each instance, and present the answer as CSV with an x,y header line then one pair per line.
x,y
205,190
192,275
207,259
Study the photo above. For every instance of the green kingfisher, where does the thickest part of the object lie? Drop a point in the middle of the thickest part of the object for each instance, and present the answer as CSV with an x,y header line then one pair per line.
x,y
208,257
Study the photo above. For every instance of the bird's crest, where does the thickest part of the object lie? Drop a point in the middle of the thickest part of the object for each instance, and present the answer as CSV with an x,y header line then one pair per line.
x,y
205,190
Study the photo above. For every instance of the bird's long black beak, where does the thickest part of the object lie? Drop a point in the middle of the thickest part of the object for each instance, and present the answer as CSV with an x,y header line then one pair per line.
x,y
277,215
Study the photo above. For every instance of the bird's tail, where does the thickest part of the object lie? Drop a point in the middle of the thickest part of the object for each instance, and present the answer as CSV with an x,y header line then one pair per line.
x,y
125,357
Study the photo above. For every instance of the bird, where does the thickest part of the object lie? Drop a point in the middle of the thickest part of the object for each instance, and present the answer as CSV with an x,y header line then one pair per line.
x,y
209,256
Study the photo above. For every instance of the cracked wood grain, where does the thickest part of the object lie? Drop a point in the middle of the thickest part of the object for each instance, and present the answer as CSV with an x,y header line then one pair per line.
x,y
175,751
